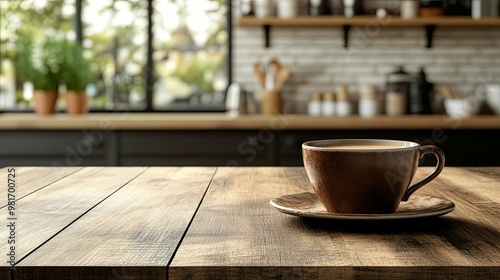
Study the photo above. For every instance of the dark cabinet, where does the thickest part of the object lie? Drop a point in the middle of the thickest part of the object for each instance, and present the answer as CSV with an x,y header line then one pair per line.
x,y
56,148
461,147
193,148
222,147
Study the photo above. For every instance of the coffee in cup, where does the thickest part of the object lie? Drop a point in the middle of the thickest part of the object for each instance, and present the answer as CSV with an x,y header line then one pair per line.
x,y
361,176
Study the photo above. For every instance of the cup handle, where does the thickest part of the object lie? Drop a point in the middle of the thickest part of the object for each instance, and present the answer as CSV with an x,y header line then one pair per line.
x,y
429,149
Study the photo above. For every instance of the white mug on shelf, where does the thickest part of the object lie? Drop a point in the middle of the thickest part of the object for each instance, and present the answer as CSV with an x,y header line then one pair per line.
x,y
287,8
462,108
409,9
493,97
263,8
349,8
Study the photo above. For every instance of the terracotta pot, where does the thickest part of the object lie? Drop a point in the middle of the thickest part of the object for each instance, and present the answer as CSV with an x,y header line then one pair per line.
x,y
76,102
431,12
45,102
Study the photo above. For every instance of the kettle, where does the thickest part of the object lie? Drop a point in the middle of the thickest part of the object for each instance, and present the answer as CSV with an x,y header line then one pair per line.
x,y
238,100
419,95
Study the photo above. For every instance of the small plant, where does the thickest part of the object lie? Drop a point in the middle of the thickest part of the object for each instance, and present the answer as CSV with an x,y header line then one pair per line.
x,y
52,62
37,62
75,69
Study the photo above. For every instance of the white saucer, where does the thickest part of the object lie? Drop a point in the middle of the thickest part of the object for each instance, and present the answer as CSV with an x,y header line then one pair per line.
x,y
307,205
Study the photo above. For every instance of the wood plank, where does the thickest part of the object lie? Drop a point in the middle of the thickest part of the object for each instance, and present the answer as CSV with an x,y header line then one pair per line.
x,y
474,185
28,180
31,179
237,235
133,233
364,20
159,121
42,215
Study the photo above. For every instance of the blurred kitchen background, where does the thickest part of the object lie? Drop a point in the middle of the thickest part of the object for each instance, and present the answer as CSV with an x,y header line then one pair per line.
x,y
183,65
466,58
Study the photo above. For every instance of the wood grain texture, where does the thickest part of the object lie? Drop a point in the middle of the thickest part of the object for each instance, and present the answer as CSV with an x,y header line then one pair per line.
x,y
364,20
49,210
138,121
31,179
237,235
28,180
133,233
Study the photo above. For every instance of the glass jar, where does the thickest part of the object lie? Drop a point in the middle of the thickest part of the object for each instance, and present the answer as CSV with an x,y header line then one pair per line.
x,y
314,105
369,101
328,104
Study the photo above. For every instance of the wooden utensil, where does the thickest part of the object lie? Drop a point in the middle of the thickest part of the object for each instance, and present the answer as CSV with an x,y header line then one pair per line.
x,y
446,92
277,66
284,74
261,76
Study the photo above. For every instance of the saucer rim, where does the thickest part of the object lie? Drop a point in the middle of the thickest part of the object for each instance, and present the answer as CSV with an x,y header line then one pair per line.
x,y
340,216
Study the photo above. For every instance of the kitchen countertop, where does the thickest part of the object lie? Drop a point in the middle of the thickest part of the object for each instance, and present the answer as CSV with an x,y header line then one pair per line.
x,y
213,121
216,223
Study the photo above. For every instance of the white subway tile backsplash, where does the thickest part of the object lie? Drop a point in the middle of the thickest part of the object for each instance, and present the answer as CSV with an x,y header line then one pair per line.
x,y
476,80
394,58
446,78
455,49
351,68
378,80
386,68
470,69
345,78
482,59
492,68
442,69
467,33
490,50
454,59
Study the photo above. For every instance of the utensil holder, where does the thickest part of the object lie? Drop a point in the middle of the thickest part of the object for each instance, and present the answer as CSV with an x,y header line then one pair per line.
x,y
271,102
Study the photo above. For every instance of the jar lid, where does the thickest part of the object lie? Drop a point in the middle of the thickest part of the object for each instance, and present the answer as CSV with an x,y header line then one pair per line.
x,y
329,96
399,76
368,92
316,96
342,93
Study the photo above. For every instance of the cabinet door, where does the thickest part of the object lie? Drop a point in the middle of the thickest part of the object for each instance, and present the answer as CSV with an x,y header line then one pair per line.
x,y
192,148
461,147
54,148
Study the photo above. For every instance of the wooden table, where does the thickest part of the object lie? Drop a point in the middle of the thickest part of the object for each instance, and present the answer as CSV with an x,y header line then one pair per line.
x,y
207,222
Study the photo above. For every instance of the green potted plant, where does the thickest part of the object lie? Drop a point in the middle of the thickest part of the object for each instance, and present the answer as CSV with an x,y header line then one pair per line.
x,y
76,74
37,63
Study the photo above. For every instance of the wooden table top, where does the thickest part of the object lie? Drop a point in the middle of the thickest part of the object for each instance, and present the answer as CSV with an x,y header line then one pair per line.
x,y
208,222
191,121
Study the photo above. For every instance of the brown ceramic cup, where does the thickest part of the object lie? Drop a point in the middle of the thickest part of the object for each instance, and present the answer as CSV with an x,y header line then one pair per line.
x,y
361,176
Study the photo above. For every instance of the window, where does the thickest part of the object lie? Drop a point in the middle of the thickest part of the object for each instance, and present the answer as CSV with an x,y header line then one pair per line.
x,y
146,55
115,32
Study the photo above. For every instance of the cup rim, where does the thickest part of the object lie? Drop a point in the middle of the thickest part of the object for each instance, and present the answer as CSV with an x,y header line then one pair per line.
x,y
405,145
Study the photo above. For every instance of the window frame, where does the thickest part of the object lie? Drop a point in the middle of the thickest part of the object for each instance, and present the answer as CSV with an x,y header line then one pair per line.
x,y
150,78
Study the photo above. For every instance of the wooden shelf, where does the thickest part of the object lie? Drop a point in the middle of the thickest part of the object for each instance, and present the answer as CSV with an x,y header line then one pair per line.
x,y
429,23
216,121
363,20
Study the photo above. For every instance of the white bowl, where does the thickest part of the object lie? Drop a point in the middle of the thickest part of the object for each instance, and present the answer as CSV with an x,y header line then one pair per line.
x,y
462,108
493,97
